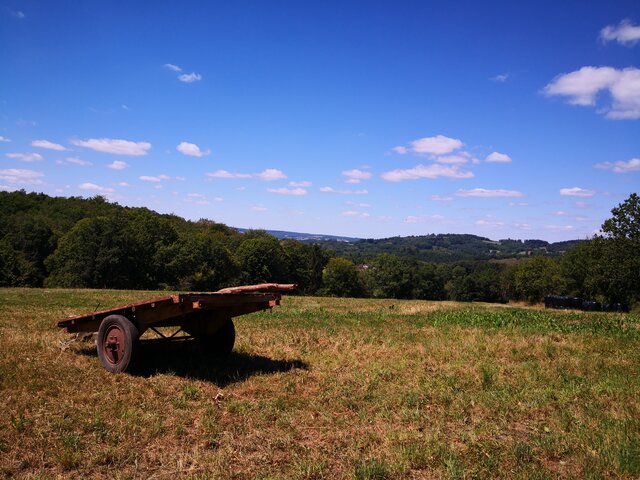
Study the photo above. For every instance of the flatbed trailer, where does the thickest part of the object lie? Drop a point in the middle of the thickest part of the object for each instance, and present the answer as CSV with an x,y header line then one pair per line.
x,y
205,317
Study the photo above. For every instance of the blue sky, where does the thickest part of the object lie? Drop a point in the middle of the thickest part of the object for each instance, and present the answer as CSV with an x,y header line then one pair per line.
x,y
367,119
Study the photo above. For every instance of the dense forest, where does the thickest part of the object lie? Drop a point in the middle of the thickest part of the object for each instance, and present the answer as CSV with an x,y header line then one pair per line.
x,y
92,243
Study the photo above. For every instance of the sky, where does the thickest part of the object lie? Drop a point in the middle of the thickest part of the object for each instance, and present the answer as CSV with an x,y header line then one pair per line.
x,y
366,119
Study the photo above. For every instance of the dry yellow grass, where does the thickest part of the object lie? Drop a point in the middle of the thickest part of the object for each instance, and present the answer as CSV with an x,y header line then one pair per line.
x,y
327,388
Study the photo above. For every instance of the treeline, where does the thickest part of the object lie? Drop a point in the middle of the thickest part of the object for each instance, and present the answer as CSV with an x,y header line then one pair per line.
x,y
445,248
91,243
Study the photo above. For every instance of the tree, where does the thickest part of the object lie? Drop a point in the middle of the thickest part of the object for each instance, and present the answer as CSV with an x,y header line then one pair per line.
x,y
537,277
389,276
261,259
342,279
625,222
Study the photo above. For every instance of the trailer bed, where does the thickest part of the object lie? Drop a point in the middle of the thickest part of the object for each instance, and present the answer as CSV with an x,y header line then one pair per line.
x,y
204,316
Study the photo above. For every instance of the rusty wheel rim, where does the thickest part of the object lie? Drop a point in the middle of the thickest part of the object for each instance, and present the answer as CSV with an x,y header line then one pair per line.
x,y
114,341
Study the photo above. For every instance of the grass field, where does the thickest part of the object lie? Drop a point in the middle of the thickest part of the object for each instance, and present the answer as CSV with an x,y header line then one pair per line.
x,y
327,388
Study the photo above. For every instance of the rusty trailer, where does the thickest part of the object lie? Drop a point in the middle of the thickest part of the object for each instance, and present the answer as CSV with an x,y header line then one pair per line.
x,y
205,317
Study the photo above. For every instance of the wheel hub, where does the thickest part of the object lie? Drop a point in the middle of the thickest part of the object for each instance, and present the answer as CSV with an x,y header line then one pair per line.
x,y
114,344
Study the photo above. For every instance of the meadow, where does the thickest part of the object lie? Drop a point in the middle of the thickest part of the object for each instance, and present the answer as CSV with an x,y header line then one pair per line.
x,y
326,388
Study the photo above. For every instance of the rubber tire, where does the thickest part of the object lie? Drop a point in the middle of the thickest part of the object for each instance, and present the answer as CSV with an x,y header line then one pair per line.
x,y
220,344
131,336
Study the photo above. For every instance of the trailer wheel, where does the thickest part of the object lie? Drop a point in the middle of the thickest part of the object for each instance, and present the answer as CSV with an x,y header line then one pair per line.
x,y
117,343
219,344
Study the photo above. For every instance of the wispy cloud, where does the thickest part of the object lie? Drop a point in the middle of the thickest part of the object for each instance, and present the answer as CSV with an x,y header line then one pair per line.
x,y
191,149
354,214
501,78
426,171
438,145
357,204
632,165
190,77
114,146
19,176
303,184
95,188
16,13
74,161
259,208
498,157
4,139
343,192
172,67
625,33
24,157
117,165
155,179
487,193
582,87
424,218
267,175
489,223
288,191
48,145
438,198
356,175
577,192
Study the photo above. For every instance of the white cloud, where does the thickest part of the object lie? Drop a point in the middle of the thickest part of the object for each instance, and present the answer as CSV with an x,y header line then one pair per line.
x,y
259,208
560,228
24,157
270,174
115,146
95,188
425,171
625,33
501,78
518,204
288,191
190,77
117,165
48,145
155,179
583,86
400,150
74,161
20,176
438,145
354,214
459,159
124,184
192,150
576,192
356,176
267,175
4,139
498,157
438,198
485,193
227,174
423,218
172,67
582,205
357,204
632,165
522,226
488,223
343,192
303,184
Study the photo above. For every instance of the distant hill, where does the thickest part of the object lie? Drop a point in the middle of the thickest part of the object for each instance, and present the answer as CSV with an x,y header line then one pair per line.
x,y
305,237
444,248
